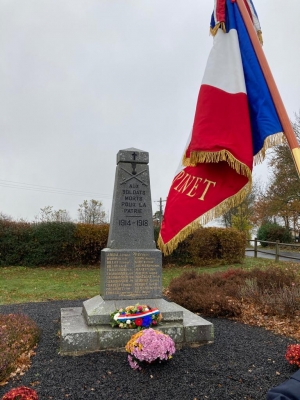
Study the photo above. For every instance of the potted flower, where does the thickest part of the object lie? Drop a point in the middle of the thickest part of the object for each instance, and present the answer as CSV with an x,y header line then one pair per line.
x,y
148,346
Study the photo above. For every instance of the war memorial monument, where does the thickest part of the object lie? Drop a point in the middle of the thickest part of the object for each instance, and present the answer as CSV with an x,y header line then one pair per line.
x,y
130,272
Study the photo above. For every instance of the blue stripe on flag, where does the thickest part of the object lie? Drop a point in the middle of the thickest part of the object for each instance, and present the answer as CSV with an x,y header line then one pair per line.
x,y
263,115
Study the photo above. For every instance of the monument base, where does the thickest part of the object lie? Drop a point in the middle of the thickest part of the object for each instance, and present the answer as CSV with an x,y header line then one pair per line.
x,y
87,329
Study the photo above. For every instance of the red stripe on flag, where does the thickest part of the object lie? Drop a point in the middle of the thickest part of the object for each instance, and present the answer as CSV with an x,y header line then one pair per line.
x,y
222,122
220,10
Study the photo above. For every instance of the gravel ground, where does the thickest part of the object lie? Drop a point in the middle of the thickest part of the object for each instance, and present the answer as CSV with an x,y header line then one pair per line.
x,y
242,363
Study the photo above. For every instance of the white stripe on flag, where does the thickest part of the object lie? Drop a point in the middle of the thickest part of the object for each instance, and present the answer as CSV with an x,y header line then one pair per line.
x,y
224,69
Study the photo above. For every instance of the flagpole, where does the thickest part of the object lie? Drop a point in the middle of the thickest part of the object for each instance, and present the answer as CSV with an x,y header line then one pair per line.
x,y
281,111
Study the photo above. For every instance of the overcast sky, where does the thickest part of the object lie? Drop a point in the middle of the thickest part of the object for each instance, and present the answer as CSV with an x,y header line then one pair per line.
x,y
82,79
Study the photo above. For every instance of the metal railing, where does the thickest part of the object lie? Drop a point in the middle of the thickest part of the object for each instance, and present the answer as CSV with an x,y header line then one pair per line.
x,y
277,253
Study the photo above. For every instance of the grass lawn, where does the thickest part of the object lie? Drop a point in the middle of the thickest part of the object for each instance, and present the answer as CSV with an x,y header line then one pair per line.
x,y
24,284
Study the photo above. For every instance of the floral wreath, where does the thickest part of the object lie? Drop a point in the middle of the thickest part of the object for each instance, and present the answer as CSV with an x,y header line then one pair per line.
x,y
135,317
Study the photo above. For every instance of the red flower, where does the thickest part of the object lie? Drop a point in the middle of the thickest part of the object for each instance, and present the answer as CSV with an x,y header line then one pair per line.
x,y
138,322
21,393
292,354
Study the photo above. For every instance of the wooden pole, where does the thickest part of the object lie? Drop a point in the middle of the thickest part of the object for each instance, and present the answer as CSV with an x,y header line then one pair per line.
x,y
281,111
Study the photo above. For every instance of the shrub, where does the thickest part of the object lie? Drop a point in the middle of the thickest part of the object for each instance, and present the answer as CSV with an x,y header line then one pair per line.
x,y
274,290
18,334
180,256
272,232
52,243
292,354
204,293
21,393
273,277
217,245
89,241
148,346
272,300
14,242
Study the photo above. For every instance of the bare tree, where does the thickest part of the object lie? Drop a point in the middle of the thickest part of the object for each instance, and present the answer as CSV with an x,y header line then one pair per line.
x,y
90,212
5,217
47,214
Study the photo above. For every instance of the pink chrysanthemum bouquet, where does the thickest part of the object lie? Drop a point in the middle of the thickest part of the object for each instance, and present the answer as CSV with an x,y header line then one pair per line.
x,y
148,346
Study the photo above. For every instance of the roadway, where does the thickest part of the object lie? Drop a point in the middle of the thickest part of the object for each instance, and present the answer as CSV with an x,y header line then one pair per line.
x,y
283,255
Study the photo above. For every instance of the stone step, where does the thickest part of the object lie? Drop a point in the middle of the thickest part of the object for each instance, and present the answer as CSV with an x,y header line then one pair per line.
x,y
77,337
97,311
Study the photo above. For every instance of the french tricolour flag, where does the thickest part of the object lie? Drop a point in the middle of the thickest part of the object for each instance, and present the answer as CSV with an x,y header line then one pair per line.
x,y
235,122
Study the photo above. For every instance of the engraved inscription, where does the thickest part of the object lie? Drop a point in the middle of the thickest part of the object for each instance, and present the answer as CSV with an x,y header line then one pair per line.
x,y
131,217
119,274
147,273
133,206
132,274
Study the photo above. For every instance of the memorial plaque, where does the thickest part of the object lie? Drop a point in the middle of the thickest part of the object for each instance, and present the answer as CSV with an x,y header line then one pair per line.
x,y
131,264
128,274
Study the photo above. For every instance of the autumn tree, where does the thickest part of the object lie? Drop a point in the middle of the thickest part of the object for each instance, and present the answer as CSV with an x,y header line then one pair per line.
x,y
91,212
239,217
281,200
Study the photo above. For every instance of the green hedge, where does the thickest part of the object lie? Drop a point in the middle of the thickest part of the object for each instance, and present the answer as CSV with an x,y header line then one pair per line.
x,y
51,243
15,240
271,232
67,243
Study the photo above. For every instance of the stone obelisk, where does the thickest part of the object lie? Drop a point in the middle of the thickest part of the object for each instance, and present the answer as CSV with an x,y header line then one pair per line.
x,y
130,272
131,264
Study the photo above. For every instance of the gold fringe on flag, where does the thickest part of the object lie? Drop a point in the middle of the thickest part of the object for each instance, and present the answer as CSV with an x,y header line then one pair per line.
x,y
201,157
260,38
214,30
220,209
270,141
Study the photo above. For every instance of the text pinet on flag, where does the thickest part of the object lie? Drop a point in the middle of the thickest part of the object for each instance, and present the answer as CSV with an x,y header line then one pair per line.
x,y
235,122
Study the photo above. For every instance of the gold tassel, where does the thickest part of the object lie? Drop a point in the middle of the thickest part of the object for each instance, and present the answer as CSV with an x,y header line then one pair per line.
x,y
214,30
202,157
220,209
270,141
260,38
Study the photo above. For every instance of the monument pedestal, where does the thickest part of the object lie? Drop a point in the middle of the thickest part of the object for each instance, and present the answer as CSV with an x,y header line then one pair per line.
x,y
130,272
86,329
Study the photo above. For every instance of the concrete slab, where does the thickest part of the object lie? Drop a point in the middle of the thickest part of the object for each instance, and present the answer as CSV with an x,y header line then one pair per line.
x,y
97,311
77,337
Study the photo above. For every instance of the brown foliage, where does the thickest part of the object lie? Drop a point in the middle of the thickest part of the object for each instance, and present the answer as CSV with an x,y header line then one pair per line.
x,y
273,277
273,291
203,293
90,239
18,335
217,245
